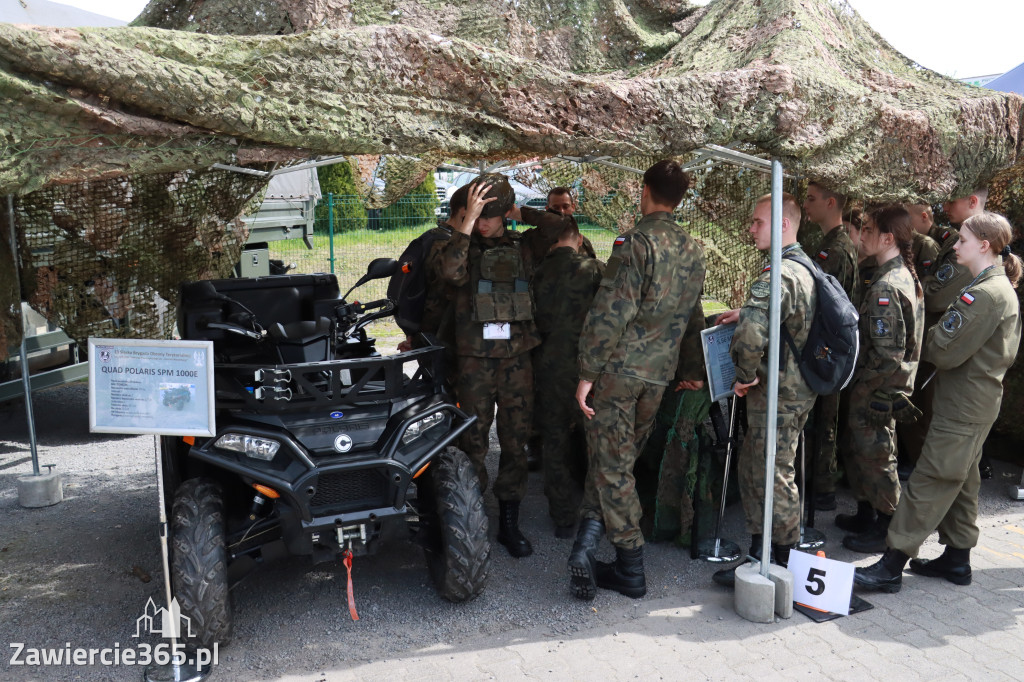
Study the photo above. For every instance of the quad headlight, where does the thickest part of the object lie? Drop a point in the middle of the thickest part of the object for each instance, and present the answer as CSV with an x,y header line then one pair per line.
x,y
250,446
421,426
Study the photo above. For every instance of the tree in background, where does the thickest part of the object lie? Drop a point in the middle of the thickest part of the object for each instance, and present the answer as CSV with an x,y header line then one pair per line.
x,y
349,214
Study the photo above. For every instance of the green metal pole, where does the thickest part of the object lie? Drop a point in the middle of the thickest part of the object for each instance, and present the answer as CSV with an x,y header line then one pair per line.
x,y
330,226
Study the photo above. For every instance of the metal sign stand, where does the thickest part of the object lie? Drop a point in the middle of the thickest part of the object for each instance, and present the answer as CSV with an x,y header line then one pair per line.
x,y
717,550
180,669
810,538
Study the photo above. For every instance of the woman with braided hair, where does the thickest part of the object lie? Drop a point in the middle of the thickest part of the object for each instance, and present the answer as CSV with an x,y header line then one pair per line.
x,y
891,328
972,346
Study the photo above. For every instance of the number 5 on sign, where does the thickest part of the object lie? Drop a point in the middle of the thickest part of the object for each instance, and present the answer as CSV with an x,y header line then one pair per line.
x,y
821,583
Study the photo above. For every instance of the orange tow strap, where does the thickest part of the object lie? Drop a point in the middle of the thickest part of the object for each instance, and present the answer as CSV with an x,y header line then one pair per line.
x,y
347,560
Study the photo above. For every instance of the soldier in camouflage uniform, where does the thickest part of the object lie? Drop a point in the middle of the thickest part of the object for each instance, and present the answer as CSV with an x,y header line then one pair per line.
x,y
749,353
489,269
925,248
838,257
563,289
942,285
891,327
629,350
974,343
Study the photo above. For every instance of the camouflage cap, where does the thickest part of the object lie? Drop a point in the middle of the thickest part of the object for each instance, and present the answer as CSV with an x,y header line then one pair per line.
x,y
502,190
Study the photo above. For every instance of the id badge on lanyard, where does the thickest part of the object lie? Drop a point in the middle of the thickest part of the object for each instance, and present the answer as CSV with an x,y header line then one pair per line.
x,y
497,331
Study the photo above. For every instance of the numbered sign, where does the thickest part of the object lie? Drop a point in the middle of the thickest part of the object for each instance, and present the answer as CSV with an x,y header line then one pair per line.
x,y
821,583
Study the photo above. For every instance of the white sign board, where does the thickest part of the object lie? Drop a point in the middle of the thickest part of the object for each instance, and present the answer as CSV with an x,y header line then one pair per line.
x,y
150,386
721,372
823,584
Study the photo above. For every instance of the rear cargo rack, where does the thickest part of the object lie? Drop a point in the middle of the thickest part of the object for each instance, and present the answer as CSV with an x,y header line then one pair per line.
x,y
282,388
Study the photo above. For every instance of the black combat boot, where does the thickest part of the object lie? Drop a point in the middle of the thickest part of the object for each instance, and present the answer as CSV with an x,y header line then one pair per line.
x,y
727,576
885,575
872,540
508,529
582,566
625,575
954,565
859,522
780,554
533,454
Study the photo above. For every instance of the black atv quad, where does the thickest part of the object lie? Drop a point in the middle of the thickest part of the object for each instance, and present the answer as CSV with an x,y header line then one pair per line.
x,y
320,443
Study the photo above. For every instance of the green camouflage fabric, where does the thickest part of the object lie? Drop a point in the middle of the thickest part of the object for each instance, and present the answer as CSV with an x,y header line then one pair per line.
x,y
458,263
625,409
651,288
838,257
563,289
749,353
926,253
481,383
973,345
891,329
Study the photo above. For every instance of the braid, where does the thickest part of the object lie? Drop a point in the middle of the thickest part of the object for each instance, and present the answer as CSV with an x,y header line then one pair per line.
x,y
907,251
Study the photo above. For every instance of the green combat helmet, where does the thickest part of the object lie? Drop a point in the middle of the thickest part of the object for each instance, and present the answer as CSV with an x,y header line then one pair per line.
x,y
501,189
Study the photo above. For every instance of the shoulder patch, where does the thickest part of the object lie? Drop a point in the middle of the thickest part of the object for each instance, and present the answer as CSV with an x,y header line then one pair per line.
x,y
766,268
880,327
883,300
619,240
944,235
823,255
967,298
760,289
945,273
952,321
926,263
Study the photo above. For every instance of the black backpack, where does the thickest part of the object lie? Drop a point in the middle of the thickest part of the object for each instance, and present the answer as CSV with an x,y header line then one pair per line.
x,y
829,357
408,286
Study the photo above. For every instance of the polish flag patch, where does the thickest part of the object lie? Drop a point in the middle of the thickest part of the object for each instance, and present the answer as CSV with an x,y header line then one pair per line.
x,y
926,263
619,240
967,298
823,255
766,268
944,235
883,301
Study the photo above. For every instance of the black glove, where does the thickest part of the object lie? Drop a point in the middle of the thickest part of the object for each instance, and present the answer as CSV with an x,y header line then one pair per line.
x,y
903,410
879,412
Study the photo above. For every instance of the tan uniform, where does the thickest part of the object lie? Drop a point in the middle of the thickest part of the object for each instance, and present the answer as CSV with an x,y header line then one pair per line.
x,y
973,345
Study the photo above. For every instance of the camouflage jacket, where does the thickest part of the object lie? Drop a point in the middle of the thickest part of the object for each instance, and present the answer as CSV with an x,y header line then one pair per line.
x,y
973,345
650,291
947,278
926,253
891,328
837,256
439,293
459,257
563,288
749,348
866,272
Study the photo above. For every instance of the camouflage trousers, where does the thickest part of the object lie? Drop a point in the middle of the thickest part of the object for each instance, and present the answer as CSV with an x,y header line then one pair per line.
x,y
751,467
826,421
942,493
625,408
482,382
871,456
564,450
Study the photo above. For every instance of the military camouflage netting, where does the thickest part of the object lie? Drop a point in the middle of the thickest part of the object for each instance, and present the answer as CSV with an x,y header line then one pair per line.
x,y
399,85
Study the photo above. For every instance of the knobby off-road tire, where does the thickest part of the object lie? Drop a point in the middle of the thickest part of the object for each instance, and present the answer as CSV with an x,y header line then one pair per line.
x,y
199,562
459,553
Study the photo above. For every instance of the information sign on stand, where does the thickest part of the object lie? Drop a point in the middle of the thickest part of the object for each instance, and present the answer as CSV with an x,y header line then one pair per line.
x,y
151,386
820,583
721,372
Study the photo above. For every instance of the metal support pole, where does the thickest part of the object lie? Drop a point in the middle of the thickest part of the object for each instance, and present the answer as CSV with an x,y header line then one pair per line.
x,y
29,416
330,226
774,321
722,550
